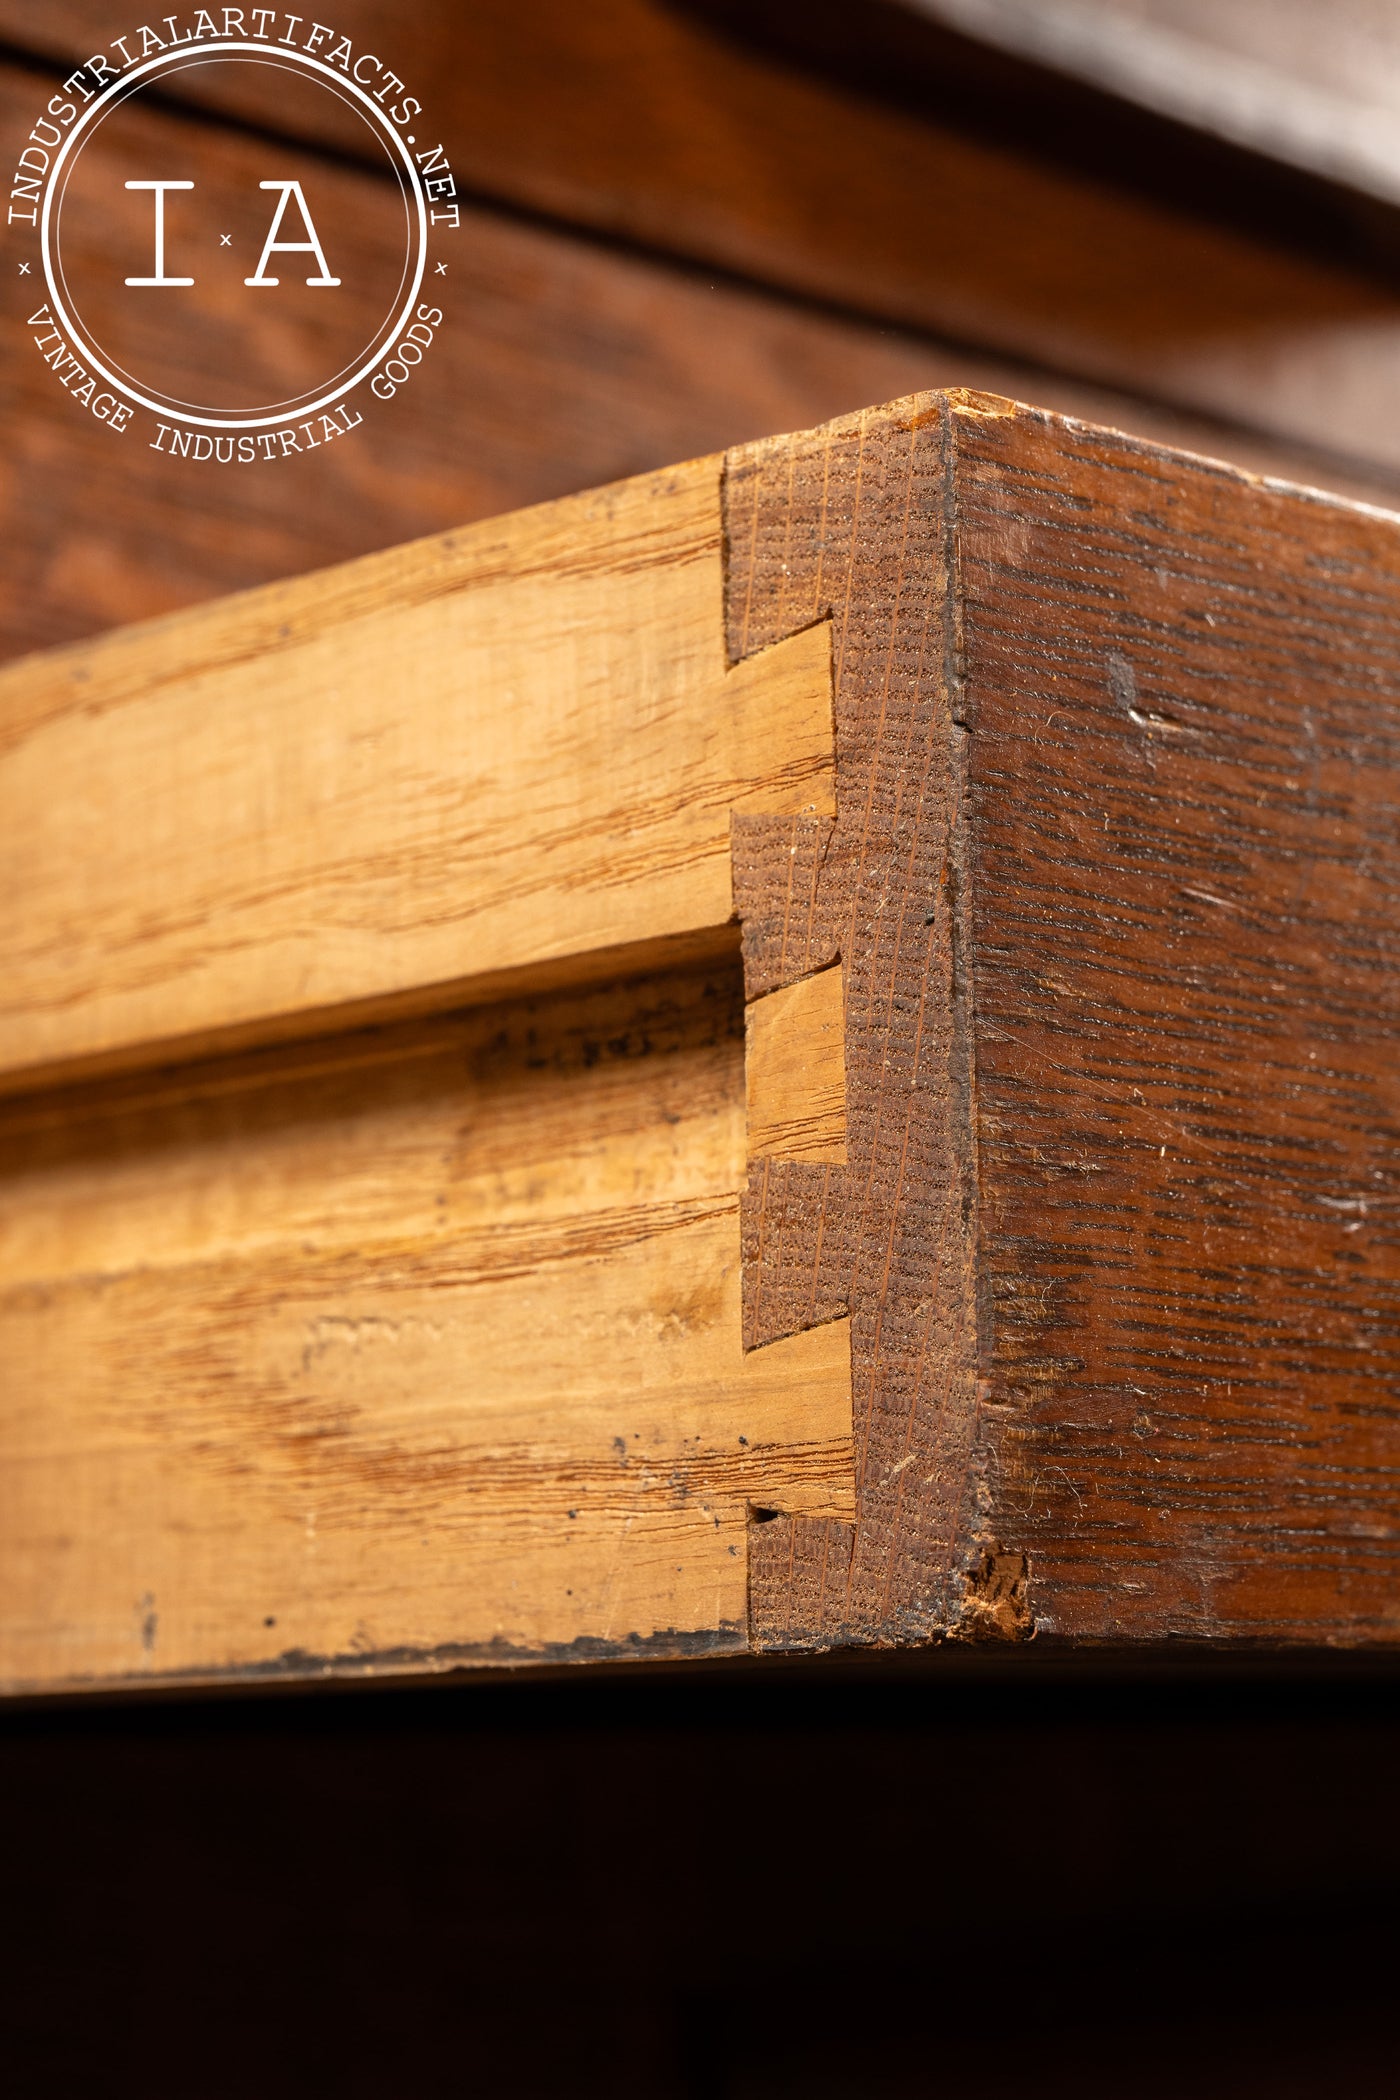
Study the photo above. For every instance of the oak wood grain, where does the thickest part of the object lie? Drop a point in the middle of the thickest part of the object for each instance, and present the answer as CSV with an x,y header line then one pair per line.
x,y
1029,1272
400,1350
417,1345
849,524
1113,883
513,749
1183,759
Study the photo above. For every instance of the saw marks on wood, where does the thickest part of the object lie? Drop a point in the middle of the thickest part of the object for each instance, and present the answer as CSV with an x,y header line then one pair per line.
x,y
417,1345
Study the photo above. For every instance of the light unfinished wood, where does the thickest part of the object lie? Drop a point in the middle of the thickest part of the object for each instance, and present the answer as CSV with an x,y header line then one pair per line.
x,y
485,760
371,1273
421,1343
795,1066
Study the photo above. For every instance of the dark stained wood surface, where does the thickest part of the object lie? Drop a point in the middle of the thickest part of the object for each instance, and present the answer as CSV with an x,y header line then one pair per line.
x,y
571,355
1113,883
911,57
1184,869
562,364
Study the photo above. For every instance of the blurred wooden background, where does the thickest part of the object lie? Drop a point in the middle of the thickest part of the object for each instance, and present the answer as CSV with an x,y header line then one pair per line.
x,y
687,225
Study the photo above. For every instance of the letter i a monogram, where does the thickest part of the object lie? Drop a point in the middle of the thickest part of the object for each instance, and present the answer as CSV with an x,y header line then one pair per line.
x,y
271,246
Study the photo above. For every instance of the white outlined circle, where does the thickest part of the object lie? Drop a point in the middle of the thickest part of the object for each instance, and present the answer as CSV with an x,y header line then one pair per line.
x,y
51,253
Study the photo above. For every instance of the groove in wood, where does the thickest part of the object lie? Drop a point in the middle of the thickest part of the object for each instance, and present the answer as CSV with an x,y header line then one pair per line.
x,y
418,1344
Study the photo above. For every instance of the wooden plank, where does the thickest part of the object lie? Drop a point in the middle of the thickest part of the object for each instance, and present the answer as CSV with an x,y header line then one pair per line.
x,y
1113,881
511,749
1219,1004
421,1344
411,1348
630,118
852,523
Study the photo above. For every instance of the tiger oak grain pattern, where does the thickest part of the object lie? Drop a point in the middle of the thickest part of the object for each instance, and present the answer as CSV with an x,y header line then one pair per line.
x,y
514,748
1113,882
411,1347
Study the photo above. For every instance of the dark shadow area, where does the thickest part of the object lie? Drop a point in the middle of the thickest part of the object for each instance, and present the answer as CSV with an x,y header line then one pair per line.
x,y
892,55
713,1881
